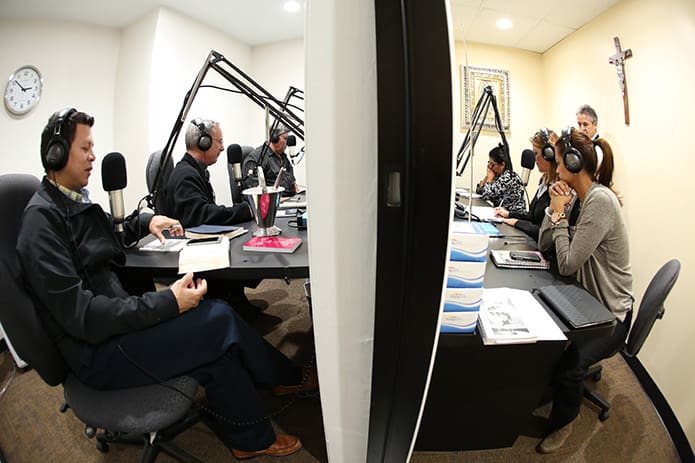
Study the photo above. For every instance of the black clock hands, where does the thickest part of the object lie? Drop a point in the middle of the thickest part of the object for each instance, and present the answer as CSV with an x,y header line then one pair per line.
x,y
20,86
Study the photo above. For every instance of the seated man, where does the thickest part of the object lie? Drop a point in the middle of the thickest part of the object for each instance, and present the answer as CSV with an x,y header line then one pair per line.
x,y
111,339
190,198
188,194
274,159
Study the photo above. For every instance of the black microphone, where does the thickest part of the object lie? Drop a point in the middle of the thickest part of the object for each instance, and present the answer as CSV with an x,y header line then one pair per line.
x,y
114,179
528,161
234,156
291,143
234,160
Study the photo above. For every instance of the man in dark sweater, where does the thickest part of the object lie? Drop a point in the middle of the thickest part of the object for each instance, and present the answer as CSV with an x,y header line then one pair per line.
x,y
189,195
190,198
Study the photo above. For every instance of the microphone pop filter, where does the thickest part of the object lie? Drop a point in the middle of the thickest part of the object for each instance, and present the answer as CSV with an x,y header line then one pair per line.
x,y
113,172
291,140
528,159
234,154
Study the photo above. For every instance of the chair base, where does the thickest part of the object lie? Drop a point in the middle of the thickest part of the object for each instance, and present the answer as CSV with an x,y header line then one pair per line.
x,y
604,407
162,442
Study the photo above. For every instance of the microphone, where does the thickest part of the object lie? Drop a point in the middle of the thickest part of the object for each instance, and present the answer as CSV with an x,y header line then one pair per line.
x,y
234,156
234,159
291,143
114,180
528,161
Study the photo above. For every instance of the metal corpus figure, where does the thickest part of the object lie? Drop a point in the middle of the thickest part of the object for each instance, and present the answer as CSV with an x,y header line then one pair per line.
x,y
282,111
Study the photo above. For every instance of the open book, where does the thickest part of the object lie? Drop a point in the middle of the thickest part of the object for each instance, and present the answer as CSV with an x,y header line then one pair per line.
x,y
513,316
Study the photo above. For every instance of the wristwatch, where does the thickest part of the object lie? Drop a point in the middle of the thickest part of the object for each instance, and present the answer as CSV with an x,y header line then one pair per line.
x,y
557,216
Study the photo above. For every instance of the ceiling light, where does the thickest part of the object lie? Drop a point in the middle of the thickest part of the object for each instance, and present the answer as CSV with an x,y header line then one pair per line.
x,y
291,6
504,23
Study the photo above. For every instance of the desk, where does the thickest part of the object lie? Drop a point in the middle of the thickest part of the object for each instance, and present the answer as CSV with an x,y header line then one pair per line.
x,y
481,397
243,265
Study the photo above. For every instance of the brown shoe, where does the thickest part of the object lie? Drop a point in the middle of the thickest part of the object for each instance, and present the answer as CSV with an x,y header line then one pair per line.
x,y
310,383
284,445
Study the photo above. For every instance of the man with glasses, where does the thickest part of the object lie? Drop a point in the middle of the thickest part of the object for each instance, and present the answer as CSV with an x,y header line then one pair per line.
x,y
190,198
274,159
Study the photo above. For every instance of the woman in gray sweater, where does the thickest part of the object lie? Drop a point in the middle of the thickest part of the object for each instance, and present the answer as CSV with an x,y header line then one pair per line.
x,y
596,252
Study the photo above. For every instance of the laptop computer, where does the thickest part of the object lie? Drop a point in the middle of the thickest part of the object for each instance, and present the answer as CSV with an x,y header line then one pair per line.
x,y
575,305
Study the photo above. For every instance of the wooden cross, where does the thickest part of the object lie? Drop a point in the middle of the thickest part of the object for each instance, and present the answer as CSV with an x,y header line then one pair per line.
x,y
618,60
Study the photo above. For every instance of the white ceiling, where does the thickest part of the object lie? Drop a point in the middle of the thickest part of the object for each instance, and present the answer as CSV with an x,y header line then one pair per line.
x,y
538,24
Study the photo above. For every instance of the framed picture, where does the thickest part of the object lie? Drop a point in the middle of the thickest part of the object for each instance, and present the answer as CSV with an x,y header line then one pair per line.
x,y
474,79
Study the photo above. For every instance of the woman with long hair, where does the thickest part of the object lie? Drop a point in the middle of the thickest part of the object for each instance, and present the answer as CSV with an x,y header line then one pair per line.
x,y
597,253
530,221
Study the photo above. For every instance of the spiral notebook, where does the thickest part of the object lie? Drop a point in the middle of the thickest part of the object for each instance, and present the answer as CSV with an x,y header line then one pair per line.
x,y
503,259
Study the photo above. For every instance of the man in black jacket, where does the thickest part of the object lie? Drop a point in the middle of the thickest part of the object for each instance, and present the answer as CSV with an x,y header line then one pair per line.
x,y
190,198
271,156
69,252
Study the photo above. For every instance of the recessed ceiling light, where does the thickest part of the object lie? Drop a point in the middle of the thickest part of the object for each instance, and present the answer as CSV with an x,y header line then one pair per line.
x,y
291,6
504,23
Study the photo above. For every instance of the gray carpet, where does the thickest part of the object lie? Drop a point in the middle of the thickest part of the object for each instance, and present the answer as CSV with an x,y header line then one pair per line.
x,y
33,430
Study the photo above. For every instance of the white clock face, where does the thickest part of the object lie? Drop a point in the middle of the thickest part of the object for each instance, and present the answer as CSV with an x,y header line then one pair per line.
x,y
23,90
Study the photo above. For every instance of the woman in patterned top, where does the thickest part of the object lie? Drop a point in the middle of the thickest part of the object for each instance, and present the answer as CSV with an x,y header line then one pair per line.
x,y
501,185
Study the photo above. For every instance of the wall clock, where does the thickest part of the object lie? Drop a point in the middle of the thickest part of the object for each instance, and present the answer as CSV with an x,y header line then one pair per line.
x,y
23,90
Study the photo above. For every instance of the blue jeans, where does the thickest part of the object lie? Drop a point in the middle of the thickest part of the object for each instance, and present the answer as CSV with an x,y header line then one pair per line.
x,y
212,344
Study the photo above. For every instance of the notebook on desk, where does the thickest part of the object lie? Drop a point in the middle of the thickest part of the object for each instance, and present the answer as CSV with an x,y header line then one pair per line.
x,y
575,305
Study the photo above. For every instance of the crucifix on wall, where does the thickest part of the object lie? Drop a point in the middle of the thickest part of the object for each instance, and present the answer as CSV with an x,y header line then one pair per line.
x,y
618,60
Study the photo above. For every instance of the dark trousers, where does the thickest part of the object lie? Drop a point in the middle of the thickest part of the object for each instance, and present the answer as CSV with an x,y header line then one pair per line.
x,y
568,379
214,345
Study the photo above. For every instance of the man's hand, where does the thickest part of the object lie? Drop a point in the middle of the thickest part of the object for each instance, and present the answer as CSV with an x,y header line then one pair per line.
x,y
159,223
188,292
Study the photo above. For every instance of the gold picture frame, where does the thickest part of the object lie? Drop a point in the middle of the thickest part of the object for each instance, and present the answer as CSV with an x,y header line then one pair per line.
x,y
473,81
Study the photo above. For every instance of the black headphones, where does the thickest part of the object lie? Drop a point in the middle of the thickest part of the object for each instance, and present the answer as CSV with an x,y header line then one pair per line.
x,y
547,151
204,141
276,132
58,147
572,158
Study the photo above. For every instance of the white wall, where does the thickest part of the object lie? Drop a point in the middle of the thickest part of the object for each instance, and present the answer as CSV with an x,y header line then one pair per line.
x,y
131,109
180,50
78,64
341,96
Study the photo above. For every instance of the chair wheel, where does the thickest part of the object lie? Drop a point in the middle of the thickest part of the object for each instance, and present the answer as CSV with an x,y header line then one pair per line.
x,y
103,447
603,416
90,431
64,407
596,376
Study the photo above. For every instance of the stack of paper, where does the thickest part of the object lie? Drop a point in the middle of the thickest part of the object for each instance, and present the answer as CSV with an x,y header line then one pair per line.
x,y
204,256
465,272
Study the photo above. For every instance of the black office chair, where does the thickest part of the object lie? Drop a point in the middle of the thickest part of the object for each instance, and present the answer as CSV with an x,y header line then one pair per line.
x,y
153,165
651,308
132,415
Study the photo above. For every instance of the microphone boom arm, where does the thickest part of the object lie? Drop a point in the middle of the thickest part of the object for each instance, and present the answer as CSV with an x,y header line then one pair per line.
x,y
477,120
245,85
